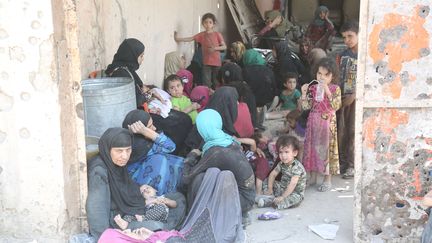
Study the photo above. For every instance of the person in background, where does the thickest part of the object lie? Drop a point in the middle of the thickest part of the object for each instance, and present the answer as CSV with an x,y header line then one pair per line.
x,y
212,44
321,30
289,97
347,61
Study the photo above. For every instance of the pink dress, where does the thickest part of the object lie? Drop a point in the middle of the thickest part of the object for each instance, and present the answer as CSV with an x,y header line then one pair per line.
x,y
320,147
114,236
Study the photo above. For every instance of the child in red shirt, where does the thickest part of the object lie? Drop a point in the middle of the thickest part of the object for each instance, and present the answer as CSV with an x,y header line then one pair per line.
x,y
212,43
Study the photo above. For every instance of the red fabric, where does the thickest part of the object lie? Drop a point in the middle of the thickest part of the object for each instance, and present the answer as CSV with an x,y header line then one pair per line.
x,y
243,124
207,40
262,167
276,5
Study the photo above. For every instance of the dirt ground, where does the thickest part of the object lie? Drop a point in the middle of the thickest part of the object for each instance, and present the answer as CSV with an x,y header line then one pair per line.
x,y
334,206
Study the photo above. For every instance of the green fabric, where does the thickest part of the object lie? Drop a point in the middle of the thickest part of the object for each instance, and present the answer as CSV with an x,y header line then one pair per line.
x,y
182,103
209,124
290,101
252,57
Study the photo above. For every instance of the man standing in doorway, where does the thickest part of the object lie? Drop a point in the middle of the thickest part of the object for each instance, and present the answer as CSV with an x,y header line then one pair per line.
x,y
347,61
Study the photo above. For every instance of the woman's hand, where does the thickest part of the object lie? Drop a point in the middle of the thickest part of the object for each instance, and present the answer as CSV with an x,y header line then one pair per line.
x,y
276,21
139,128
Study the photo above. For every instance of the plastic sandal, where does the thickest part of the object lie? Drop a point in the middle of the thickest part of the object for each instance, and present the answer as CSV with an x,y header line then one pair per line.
x,y
325,186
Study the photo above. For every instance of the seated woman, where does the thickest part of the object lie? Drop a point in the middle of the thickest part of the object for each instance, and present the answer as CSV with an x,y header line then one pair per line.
x,y
151,162
220,150
126,61
213,217
111,192
321,30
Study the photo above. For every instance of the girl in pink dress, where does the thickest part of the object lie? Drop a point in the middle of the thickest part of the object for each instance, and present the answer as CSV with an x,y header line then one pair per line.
x,y
320,147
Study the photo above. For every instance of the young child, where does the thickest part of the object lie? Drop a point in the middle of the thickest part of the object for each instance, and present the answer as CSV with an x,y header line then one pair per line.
x,y
157,100
321,146
174,86
157,208
289,191
212,43
347,62
289,97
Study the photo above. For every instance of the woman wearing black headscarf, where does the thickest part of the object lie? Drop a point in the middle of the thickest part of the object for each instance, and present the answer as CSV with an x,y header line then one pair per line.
x,y
151,162
126,61
110,189
287,61
230,74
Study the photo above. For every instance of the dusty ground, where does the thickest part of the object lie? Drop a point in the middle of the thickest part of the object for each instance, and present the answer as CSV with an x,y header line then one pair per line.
x,y
317,207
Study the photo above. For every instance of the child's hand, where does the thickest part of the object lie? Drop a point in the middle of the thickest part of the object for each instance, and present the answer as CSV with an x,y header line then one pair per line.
x,y
260,153
195,106
278,200
211,49
304,88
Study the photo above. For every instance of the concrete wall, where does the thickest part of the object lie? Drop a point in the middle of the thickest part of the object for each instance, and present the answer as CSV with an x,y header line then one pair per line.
x,y
39,183
103,25
394,96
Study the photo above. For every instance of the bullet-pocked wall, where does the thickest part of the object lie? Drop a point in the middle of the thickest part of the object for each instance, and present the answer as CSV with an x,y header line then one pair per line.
x,y
39,146
394,152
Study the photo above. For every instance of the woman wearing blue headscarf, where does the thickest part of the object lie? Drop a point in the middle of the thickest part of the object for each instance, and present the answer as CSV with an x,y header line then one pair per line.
x,y
220,150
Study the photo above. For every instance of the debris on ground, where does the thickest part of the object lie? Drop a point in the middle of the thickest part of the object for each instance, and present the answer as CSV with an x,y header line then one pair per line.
x,y
325,231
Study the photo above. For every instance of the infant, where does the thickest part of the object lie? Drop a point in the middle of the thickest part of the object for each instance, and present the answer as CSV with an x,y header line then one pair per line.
x,y
157,208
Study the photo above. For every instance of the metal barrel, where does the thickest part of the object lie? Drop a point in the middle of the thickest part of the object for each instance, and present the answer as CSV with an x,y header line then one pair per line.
x,y
106,103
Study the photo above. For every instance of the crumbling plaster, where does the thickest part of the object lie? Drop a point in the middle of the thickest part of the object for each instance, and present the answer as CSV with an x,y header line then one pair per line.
x,y
393,132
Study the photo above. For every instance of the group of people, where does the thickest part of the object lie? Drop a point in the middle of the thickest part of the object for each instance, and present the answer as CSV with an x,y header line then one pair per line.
x,y
192,160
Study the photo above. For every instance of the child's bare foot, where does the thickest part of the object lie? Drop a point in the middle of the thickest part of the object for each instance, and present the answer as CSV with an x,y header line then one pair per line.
x,y
139,218
123,224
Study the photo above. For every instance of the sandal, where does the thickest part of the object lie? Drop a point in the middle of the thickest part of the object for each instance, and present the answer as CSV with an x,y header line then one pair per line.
x,y
325,186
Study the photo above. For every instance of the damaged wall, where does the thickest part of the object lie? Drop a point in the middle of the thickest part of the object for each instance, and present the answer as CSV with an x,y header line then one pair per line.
x,y
103,25
39,135
394,159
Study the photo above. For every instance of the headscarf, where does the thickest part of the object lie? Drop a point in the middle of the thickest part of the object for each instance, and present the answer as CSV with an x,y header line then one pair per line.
x,y
282,49
317,20
127,56
124,192
224,101
252,57
201,95
173,63
187,80
239,49
140,145
314,56
230,72
209,124
283,26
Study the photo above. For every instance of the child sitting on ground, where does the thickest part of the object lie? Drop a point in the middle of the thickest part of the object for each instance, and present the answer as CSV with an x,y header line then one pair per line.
x,y
180,102
157,208
289,96
289,191
157,100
